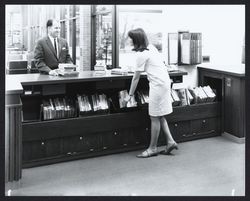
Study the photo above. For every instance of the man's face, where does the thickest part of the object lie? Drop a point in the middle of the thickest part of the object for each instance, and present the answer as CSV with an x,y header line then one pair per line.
x,y
54,30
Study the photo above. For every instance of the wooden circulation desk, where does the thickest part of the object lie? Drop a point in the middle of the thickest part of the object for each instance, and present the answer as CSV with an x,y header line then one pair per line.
x,y
36,142
229,82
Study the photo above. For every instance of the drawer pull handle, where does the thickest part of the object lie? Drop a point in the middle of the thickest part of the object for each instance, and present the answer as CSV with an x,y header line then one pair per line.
x,y
115,133
175,125
42,143
91,150
137,142
104,148
81,138
125,144
204,121
69,153
185,135
146,129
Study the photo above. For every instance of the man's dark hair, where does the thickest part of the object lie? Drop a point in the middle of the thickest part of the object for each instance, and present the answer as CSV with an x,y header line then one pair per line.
x,y
49,23
139,38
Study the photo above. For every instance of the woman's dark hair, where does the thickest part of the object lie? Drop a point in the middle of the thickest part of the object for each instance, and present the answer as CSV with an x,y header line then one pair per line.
x,y
139,38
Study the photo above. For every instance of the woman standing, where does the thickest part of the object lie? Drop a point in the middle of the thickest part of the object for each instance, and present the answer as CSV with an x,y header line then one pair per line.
x,y
149,60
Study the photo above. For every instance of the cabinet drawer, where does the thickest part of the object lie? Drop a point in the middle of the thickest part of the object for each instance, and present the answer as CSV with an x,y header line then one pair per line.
x,y
41,149
180,130
111,140
204,126
125,138
139,136
81,144
80,126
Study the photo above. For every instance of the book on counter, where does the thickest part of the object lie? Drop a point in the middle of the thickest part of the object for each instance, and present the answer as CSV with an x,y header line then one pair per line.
x,y
67,70
119,71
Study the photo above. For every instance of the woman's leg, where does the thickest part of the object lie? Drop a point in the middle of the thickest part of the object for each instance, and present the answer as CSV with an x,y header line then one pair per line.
x,y
165,128
155,131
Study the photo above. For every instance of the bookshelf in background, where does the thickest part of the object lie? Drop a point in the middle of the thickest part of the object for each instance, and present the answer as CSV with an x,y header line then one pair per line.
x,y
184,48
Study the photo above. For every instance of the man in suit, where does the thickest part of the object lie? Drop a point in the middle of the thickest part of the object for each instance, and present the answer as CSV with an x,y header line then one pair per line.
x,y
51,50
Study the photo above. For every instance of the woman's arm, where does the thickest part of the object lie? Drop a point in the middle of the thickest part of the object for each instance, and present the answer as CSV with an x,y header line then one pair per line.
x,y
134,82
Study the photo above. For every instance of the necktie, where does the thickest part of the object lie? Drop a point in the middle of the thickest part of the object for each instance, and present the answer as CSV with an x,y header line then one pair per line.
x,y
55,45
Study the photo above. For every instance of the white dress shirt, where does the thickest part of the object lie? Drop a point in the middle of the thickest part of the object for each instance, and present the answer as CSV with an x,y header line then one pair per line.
x,y
52,41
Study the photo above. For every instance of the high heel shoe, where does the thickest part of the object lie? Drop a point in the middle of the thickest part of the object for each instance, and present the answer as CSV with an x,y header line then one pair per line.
x,y
169,149
147,154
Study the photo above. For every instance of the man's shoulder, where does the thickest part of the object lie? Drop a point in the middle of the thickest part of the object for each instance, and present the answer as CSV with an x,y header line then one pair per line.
x,y
42,39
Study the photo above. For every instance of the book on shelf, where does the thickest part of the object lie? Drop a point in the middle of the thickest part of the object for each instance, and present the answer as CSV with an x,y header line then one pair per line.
x,y
183,97
57,108
188,96
185,48
210,93
93,103
143,97
122,95
84,103
99,102
172,48
175,97
191,48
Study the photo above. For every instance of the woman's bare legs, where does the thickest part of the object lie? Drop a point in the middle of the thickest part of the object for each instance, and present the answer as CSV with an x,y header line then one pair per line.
x,y
165,128
155,131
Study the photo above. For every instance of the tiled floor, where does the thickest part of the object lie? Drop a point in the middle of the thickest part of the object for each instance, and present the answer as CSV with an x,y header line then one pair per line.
x,y
207,167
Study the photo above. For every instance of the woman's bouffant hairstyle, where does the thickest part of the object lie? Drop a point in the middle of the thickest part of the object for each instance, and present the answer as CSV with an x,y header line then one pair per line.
x,y
139,38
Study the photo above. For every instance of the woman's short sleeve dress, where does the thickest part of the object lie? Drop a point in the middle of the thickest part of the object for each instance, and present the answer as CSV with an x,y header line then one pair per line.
x,y
160,101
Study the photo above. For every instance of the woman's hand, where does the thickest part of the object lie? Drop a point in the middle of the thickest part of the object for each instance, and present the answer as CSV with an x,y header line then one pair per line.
x,y
127,98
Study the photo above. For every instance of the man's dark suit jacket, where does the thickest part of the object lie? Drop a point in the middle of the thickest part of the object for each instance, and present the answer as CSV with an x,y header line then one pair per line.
x,y
45,54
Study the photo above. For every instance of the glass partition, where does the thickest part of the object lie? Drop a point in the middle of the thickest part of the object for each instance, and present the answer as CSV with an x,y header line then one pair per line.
x,y
103,27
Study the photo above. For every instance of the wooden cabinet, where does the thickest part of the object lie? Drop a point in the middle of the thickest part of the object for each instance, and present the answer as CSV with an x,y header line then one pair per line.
x,y
47,142
234,102
230,89
56,140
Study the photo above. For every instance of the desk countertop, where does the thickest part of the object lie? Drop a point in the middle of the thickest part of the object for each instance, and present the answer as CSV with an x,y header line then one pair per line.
x,y
235,70
15,82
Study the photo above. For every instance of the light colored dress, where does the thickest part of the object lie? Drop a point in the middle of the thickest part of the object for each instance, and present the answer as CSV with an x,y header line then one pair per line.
x,y
150,61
